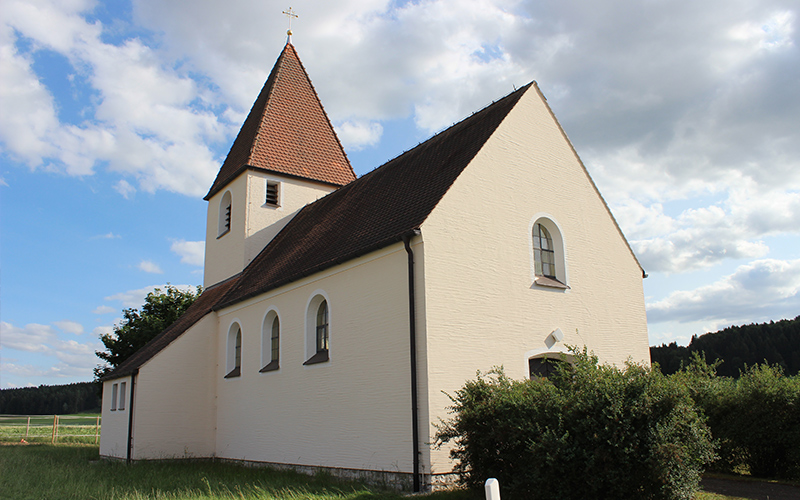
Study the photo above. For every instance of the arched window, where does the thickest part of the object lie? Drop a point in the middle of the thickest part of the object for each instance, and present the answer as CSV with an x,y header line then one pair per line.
x,y
549,264
270,342
274,339
322,326
543,252
317,330
234,357
225,204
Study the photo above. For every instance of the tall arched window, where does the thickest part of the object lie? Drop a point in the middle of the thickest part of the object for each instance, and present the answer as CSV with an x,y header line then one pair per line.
x,y
548,258
225,205
322,326
544,258
234,357
318,330
274,339
270,342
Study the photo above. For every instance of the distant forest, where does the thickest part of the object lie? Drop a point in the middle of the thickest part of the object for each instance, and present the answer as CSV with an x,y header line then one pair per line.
x,y
776,343
83,397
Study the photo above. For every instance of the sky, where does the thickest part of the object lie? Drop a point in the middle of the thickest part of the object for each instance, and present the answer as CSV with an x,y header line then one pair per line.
x,y
116,116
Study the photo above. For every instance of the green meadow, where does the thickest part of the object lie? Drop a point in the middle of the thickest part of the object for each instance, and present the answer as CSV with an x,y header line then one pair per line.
x,y
75,471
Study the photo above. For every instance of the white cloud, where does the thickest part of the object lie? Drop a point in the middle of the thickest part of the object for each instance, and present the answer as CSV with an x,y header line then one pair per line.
x,y
135,298
150,267
357,135
32,337
102,330
107,236
60,358
104,310
70,327
697,238
761,290
191,252
148,121
124,188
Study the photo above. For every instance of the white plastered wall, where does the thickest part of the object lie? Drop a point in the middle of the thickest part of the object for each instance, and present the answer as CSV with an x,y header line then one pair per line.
x,y
482,307
174,407
114,431
353,411
253,222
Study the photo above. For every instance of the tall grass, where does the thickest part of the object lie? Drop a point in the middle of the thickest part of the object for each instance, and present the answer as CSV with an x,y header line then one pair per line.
x,y
44,472
75,471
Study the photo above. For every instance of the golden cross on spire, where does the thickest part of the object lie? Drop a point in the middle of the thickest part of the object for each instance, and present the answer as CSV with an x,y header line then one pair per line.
x,y
289,15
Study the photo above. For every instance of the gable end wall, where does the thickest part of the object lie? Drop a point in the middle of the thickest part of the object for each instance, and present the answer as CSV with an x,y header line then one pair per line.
x,y
482,307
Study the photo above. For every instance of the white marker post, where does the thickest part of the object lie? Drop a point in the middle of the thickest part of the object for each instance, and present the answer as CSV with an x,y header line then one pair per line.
x,y
492,487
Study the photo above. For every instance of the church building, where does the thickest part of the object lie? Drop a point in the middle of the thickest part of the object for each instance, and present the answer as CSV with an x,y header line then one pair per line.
x,y
338,311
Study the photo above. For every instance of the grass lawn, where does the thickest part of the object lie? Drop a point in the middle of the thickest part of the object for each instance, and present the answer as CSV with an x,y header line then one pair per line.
x,y
81,428
74,471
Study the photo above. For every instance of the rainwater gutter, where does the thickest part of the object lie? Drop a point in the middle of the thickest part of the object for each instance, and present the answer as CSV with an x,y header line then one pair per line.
x,y
130,417
412,320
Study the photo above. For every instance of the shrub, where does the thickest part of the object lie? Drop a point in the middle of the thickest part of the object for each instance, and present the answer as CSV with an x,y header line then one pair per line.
x,y
766,421
755,419
591,431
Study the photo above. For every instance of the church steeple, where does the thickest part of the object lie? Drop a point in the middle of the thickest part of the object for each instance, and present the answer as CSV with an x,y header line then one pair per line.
x,y
285,156
287,132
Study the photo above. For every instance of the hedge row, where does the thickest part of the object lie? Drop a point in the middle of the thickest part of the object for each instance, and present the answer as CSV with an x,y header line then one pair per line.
x,y
597,431
754,419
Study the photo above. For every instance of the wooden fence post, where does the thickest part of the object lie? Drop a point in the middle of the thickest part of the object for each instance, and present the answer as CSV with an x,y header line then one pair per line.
x,y
28,428
55,429
97,430
492,488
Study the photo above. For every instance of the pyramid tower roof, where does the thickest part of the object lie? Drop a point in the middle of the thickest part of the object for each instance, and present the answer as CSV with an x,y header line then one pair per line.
x,y
287,132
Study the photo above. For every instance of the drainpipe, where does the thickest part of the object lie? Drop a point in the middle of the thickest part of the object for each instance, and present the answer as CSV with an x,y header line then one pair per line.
x,y
412,320
130,417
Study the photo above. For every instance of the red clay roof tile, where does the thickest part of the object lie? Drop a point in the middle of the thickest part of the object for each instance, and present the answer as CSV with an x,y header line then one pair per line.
x,y
287,131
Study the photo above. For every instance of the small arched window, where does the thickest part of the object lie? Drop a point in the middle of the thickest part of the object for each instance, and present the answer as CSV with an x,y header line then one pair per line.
x,y
234,361
549,264
318,330
270,342
322,327
224,225
543,257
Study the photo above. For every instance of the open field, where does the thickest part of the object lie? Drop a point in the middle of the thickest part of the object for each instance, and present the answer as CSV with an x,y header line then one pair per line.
x,y
80,428
74,471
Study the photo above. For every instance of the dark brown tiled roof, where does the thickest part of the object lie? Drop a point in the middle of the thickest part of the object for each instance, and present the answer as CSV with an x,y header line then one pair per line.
x,y
372,212
202,306
287,131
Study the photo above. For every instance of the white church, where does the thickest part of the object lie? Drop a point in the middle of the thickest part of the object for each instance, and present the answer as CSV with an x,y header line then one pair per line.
x,y
338,311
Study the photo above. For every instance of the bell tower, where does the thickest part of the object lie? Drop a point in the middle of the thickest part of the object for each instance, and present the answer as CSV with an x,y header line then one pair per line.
x,y
285,156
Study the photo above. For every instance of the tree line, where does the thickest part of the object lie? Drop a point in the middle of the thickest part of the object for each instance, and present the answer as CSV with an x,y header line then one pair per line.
x,y
774,343
82,397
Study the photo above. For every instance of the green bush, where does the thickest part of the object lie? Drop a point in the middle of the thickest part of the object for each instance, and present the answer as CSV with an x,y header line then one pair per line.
x,y
755,419
590,431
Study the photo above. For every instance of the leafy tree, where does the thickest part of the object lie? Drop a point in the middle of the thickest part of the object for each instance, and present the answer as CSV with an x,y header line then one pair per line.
x,y
160,309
